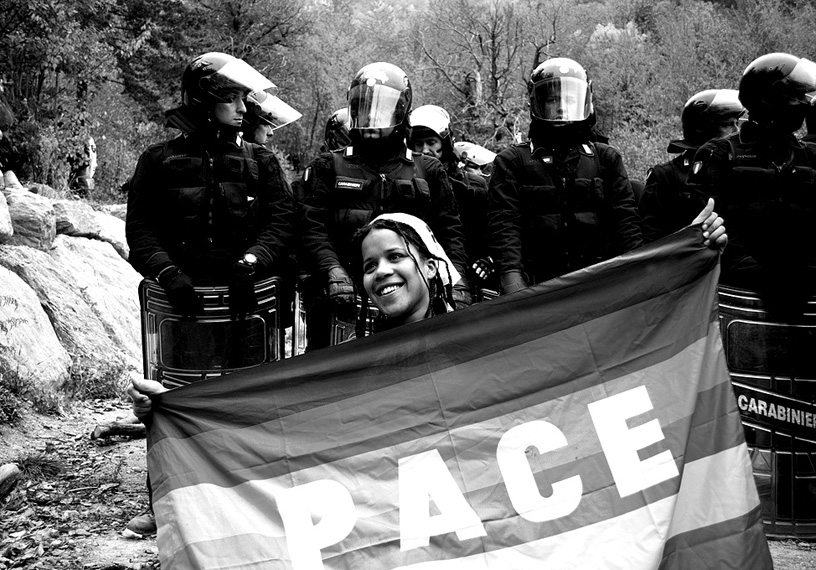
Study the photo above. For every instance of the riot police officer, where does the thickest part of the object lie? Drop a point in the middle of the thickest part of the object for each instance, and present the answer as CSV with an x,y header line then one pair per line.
x,y
559,202
208,208
336,133
375,174
430,134
667,204
763,177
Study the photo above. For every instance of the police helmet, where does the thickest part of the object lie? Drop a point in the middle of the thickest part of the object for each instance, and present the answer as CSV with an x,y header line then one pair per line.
x,y
379,97
264,107
560,92
336,134
777,89
475,156
706,115
211,77
432,121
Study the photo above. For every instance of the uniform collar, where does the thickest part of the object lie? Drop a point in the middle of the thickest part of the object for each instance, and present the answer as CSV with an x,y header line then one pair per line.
x,y
405,154
752,133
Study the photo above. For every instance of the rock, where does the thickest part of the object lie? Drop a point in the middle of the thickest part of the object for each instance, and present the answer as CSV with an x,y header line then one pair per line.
x,y
33,219
116,210
90,298
6,228
9,474
75,218
109,285
43,190
32,350
11,181
112,230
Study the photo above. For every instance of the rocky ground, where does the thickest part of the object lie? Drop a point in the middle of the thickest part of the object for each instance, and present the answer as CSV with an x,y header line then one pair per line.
x,y
76,493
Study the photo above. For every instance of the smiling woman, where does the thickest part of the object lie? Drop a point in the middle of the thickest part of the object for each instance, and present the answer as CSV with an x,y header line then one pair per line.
x,y
404,271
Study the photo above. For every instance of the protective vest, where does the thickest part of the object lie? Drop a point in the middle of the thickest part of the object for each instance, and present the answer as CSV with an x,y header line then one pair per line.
x,y
561,212
209,200
757,179
361,194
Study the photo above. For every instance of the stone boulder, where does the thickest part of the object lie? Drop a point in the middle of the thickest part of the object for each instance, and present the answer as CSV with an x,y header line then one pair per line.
x,y
6,229
116,210
109,285
33,219
30,349
112,230
90,295
75,218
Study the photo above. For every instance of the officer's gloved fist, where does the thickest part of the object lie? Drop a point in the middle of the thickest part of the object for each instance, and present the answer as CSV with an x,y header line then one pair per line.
x,y
340,288
483,267
461,295
512,281
242,298
180,292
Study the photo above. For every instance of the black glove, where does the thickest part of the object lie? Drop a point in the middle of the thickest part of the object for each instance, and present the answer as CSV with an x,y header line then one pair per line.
x,y
242,298
340,289
461,296
483,267
180,292
511,282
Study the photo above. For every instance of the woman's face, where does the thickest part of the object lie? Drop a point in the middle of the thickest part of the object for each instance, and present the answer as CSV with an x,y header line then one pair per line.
x,y
231,112
392,279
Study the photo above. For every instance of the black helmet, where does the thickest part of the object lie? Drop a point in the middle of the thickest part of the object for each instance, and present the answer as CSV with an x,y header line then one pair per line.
x,y
560,92
379,97
210,77
706,115
777,89
336,135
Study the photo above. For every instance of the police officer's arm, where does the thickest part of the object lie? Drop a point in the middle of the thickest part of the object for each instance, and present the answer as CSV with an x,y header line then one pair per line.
x,y
504,213
651,208
146,255
276,214
318,182
624,219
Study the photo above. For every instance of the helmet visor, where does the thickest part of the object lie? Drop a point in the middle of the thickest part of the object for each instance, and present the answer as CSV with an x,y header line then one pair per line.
x,y
271,110
478,155
235,75
560,99
801,82
376,107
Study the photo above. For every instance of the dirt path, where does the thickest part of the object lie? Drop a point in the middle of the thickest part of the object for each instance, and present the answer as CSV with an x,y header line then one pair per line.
x,y
77,494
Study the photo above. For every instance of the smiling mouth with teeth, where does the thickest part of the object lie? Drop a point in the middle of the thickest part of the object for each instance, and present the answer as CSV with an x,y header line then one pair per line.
x,y
389,289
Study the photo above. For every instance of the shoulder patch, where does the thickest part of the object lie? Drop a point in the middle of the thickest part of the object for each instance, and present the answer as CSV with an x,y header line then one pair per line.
x,y
649,173
698,166
307,173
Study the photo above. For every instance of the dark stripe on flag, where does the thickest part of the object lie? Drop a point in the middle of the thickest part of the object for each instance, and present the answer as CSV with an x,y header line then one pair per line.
x,y
325,376
737,544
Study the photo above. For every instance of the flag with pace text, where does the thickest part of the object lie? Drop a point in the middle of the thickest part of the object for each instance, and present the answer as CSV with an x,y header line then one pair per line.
x,y
587,422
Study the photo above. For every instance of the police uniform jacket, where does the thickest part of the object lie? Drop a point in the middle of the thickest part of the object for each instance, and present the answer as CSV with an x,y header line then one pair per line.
x,y
766,192
667,204
343,192
470,192
200,202
554,213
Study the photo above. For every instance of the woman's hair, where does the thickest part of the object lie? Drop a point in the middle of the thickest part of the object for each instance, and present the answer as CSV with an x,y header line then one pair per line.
x,y
440,295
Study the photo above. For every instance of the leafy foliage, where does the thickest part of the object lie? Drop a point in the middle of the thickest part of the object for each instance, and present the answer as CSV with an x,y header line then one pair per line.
x,y
109,68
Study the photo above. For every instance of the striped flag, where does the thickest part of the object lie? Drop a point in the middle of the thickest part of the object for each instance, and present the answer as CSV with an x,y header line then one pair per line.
x,y
588,422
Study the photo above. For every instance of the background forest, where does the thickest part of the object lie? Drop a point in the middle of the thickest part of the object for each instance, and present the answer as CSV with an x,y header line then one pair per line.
x,y
109,68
